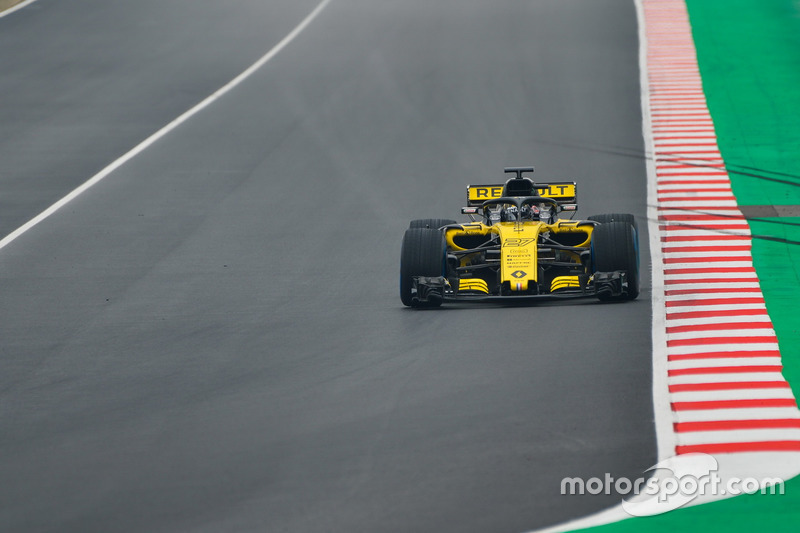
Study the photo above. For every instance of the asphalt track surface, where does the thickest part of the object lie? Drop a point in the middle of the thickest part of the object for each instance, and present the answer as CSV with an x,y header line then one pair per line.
x,y
211,338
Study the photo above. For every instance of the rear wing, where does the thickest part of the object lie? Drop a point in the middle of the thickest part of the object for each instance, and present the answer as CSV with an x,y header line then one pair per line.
x,y
565,193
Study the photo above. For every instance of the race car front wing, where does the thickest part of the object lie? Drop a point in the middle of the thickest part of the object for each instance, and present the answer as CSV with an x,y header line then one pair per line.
x,y
435,290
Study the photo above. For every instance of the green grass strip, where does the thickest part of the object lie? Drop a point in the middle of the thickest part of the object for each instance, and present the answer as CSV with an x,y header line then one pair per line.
x,y
749,57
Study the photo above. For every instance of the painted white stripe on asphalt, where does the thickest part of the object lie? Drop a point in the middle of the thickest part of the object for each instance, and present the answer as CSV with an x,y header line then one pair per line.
x,y
690,239
671,162
715,277
702,218
686,153
683,128
693,129
701,231
704,119
704,226
696,204
762,413
738,377
695,286
707,232
699,182
723,362
681,92
738,435
676,100
671,131
675,220
757,345
701,221
671,104
705,240
693,344
700,227
713,292
695,147
734,394
758,320
706,185
16,8
713,296
704,282
678,192
705,142
703,249
677,317
165,130
696,168
728,255
721,334
715,307
710,241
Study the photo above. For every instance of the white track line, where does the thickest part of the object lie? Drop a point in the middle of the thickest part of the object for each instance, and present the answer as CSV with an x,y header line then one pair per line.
x,y
163,131
665,436
16,7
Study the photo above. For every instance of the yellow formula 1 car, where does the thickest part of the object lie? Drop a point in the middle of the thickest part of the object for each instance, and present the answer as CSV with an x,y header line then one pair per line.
x,y
516,248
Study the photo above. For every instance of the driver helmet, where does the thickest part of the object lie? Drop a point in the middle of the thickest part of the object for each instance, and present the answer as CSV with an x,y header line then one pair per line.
x,y
513,214
509,214
529,212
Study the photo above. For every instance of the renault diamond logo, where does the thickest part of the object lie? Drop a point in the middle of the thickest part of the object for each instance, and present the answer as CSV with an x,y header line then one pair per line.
x,y
519,274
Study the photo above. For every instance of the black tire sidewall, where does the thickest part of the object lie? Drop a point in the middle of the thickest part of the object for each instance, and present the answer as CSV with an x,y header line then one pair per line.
x,y
423,253
615,247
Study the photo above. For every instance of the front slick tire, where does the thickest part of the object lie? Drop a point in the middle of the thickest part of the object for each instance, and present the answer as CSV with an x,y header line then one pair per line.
x,y
615,246
422,254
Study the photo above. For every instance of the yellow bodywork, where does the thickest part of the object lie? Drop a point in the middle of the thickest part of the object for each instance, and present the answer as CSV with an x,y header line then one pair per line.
x,y
519,251
565,282
473,285
481,193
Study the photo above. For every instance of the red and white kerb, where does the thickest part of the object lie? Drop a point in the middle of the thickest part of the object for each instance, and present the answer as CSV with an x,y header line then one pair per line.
x,y
726,388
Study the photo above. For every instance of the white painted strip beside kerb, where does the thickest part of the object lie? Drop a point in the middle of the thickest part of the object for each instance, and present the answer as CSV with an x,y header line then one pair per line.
x,y
769,413
784,393
693,379
163,131
662,409
16,8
